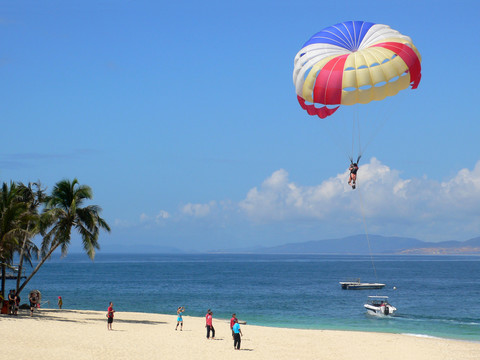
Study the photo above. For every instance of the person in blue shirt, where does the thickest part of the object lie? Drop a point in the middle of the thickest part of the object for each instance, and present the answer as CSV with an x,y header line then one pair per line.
x,y
236,335
180,311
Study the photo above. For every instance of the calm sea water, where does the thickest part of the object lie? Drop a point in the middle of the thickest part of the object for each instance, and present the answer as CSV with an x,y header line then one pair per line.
x,y
435,295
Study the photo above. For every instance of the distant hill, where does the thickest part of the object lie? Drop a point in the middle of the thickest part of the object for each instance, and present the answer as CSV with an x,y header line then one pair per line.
x,y
358,245
468,247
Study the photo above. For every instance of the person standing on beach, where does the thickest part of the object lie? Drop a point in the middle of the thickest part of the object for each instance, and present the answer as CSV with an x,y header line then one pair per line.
x,y
17,304
232,322
33,302
11,302
209,324
110,313
237,333
180,311
60,302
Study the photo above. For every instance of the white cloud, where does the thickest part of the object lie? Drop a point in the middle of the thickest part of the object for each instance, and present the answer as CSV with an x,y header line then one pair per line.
x,y
198,210
162,215
158,219
279,199
383,198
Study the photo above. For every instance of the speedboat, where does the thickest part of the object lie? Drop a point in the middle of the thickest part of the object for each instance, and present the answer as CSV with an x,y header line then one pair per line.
x,y
379,306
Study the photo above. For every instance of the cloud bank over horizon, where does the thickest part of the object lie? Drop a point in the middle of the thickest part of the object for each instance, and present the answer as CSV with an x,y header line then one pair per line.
x,y
384,203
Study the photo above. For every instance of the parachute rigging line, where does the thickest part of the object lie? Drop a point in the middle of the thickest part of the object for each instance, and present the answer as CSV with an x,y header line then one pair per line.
x,y
353,138
336,138
366,232
357,118
382,120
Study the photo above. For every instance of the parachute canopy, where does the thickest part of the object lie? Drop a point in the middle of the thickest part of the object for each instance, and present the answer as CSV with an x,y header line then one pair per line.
x,y
354,62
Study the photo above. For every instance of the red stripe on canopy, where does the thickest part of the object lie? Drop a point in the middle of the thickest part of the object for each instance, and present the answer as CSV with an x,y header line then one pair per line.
x,y
328,84
322,112
409,57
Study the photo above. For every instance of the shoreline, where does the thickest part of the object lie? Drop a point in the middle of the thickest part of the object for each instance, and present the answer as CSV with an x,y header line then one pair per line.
x,y
413,334
83,334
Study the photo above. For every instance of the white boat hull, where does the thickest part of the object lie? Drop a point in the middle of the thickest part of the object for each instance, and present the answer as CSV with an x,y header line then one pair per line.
x,y
386,310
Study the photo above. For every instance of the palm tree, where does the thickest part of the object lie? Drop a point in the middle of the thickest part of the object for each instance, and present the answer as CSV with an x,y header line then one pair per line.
x,y
33,195
11,211
64,213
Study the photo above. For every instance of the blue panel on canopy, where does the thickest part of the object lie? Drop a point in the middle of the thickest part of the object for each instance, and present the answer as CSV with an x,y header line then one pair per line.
x,y
348,34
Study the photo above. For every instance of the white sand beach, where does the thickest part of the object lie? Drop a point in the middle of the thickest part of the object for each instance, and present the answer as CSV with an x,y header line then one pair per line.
x,y
79,334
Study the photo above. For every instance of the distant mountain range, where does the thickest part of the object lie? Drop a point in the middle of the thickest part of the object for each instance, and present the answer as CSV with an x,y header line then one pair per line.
x,y
359,245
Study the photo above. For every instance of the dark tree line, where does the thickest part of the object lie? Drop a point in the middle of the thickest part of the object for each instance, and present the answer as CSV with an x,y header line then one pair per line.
x,y
27,213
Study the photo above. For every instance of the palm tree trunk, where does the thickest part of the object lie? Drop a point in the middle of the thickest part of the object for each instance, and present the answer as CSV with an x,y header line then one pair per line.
x,y
39,265
4,276
20,262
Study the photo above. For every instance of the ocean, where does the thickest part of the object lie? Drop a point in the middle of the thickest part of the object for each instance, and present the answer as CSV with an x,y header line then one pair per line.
x,y
436,296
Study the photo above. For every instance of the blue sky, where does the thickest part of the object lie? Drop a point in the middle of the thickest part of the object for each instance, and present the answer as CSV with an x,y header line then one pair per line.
x,y
182,117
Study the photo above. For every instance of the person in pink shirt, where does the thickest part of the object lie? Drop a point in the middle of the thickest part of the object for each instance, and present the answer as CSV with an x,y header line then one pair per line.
x,y
209,325
232,322
110,313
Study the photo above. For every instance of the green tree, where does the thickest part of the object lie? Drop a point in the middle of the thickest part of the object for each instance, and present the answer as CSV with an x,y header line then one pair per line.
x,y
12,210
64,213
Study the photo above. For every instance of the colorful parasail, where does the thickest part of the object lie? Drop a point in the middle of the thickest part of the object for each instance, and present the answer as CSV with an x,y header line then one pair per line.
x,y
354,62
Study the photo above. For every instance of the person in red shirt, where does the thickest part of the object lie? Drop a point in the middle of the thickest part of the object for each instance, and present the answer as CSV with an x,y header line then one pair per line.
x,y
110,312
209,325
232,322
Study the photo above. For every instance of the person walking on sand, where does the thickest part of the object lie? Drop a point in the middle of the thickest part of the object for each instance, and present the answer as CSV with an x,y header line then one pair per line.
x,y
209,324
180,311
110,313
232,322
60,302
237,333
